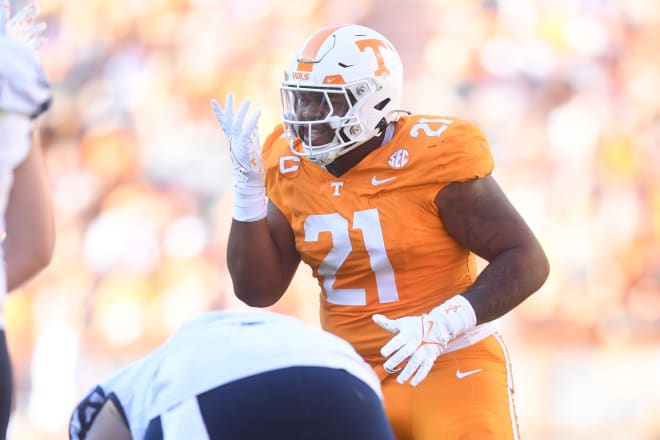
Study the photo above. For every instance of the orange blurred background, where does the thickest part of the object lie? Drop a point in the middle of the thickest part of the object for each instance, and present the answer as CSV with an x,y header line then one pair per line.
x,y
568,93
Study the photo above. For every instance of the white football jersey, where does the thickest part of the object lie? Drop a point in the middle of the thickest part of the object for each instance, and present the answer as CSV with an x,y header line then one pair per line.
x,y
24,88
221,347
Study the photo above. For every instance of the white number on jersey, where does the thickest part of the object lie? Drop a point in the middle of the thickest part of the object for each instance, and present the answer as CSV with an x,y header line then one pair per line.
x,y
368,222
423,125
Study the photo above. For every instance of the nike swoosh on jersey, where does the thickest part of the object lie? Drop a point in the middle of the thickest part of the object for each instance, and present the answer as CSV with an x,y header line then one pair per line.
x,y
376,182
460,374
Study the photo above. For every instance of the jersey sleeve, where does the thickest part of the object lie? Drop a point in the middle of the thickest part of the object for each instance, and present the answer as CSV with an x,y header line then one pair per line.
x,y
464,153
85,414
277,156
268,145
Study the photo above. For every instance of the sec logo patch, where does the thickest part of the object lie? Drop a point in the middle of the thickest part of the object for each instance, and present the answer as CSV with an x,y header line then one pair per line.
x,y
399,158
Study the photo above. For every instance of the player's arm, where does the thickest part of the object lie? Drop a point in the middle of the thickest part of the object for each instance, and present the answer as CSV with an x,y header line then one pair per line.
x,y
261,254
29,218
109,425
478,215
24,94
262,258
99,416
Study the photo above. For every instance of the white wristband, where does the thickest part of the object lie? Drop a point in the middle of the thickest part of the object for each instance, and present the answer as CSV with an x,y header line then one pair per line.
x,y
250,203
458,313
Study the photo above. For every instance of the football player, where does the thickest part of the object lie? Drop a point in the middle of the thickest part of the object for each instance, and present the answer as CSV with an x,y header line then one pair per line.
x,y
390,210
26,220
239,375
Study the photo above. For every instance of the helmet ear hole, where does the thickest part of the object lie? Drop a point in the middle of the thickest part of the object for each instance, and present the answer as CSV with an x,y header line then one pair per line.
x,y
381,105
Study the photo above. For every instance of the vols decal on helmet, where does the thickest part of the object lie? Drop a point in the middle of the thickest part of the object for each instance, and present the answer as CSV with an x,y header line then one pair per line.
x,y
399,158
375,46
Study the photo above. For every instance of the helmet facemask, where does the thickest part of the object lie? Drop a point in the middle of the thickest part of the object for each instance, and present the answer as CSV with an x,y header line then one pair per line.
x,y
325,119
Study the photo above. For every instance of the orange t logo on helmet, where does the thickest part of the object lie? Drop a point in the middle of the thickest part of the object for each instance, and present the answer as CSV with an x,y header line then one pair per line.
x,y
375,45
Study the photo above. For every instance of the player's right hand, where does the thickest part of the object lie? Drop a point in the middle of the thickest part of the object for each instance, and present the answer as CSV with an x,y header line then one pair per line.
x,y
243,141
24,88
247,161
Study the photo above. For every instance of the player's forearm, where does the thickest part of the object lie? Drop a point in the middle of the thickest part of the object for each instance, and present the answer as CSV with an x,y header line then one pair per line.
x,y
507,281
30,224
254,264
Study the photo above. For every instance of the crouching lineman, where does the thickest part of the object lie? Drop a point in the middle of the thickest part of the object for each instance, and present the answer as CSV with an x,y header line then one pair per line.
x,y
239,375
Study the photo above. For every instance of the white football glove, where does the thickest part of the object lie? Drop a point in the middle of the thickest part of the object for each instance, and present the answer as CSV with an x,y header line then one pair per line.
x,y
24,88
423,338
23,27
249,188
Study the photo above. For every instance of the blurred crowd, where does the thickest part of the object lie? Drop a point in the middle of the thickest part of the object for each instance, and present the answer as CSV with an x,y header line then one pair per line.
x,y
568,93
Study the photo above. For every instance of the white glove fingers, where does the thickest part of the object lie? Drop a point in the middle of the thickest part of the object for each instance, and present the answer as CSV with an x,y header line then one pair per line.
x,y
33,39
217,110
17,25
37,29
393,345
422,371
251,124
412,365
398,357
385,323
228,117
25,16
24,26
250,132
237,124
247,162
229,103
226,114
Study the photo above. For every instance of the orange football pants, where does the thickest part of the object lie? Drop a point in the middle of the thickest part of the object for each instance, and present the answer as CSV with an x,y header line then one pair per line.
x,y
467,395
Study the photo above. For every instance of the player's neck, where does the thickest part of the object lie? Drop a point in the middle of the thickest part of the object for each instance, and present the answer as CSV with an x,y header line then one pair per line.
x,y
347,161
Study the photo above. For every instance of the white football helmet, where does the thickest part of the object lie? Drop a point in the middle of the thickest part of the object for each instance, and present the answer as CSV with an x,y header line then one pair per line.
x,y
341,89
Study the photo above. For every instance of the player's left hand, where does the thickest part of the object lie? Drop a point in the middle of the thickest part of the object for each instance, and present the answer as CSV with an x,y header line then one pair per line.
x,y
421,338
24,88
23,27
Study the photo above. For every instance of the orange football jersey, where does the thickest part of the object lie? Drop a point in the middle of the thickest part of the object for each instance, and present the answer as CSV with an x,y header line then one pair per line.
x,y
373,237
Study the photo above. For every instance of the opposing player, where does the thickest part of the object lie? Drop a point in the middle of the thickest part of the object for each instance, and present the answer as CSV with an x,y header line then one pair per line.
x,y
389,209
239,375
26,220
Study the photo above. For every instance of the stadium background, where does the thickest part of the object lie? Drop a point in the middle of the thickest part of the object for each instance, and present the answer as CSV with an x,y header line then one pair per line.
x,y
568,93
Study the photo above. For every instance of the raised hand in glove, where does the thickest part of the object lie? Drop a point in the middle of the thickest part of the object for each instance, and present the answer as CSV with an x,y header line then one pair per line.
x,y
24,88
23,27
424,337
246,158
